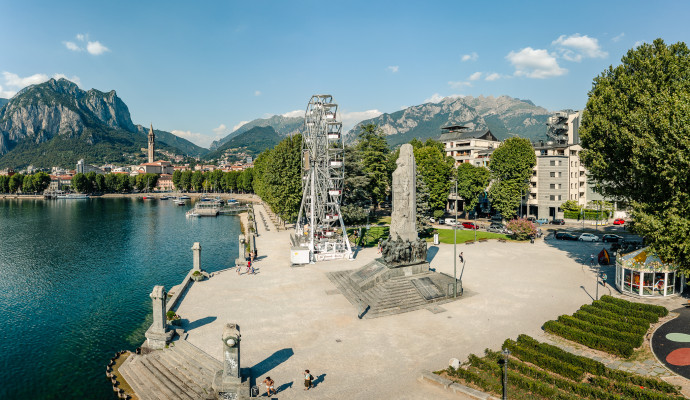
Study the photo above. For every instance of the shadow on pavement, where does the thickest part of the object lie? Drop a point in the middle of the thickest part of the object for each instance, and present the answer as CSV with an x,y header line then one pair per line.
x,y
318,380
199,322
431,253
271,362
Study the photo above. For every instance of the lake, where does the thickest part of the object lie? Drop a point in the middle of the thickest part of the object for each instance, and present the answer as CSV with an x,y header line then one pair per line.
x,y
75,278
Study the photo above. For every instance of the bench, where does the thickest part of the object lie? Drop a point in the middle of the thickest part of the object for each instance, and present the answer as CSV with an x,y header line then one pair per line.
x,y
502,240
483,239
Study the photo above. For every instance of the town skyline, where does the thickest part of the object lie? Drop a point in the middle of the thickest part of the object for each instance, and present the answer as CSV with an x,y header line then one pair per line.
x,y
200,72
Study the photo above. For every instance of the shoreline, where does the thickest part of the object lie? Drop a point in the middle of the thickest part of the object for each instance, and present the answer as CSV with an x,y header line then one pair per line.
x,y
248,197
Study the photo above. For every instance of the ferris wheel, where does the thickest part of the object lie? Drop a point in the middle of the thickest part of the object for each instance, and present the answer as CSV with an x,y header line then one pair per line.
x,y
320,225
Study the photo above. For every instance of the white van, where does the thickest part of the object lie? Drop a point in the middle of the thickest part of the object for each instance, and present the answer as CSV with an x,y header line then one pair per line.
x,y
450,221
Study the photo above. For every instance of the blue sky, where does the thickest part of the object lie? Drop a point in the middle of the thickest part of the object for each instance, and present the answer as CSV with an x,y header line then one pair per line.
x,y
199,69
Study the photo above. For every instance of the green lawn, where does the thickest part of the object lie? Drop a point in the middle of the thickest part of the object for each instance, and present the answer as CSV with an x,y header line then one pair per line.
x,y
371,236
465,235
383,220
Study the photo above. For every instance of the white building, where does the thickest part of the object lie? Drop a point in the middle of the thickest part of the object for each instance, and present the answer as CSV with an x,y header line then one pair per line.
x,y
464,146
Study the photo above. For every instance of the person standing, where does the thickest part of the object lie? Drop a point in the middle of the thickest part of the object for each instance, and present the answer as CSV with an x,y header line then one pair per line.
x,y
249,266
269,386
308,378
462,259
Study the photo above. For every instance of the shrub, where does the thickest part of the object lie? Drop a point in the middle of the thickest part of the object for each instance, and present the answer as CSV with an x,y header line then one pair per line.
x,y
634,339
648,316
600,312
588,339
587,364
630,391
658,310
522,228
609,323
544,361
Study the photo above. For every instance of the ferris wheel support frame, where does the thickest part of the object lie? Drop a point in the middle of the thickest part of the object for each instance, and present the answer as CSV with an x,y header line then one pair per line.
x,y
323,176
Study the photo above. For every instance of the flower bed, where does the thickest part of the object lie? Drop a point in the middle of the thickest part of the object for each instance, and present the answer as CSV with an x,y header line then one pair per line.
x,y
542,371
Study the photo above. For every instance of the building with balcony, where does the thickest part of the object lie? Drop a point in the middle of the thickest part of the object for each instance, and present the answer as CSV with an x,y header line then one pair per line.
x,y
465,146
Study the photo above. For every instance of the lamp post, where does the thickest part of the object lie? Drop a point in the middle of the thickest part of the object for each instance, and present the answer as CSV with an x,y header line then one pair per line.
x,y
505,353
455,243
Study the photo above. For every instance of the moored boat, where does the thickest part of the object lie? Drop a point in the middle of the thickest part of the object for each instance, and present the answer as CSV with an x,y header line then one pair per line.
x,y
73,196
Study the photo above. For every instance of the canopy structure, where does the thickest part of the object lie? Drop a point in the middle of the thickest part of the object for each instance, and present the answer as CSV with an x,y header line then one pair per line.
x,y
643,273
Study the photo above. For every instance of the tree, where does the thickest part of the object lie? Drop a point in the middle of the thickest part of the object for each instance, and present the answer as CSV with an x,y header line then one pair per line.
x,y
15,183
111,183
176,176
41,181
435,169
423,208
511,167
356,201
197,181
635,137
374,152
28,184
80,183
186,180
99,184
4,184
522,228
472,182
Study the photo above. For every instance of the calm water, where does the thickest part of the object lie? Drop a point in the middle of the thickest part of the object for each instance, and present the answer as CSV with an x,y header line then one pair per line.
x,y
74,282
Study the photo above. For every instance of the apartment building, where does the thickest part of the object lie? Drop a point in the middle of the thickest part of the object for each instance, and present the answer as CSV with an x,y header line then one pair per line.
x,y
465,146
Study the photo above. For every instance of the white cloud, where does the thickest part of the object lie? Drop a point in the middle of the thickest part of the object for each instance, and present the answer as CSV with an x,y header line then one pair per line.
x,y
197,138
618,37
293,114
257,93
437,98
475,76
220,130
238,126
576,47
73,78
493,77
81,37
72,46
470,57
6,94
96,48
350,119
459,84
393,68
535,63
19,82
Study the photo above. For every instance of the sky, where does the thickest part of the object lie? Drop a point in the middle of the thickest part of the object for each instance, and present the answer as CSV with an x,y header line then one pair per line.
x,y
201,69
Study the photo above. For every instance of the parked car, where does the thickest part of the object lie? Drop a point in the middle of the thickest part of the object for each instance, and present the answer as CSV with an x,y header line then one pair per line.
x,y
441,221
432,219
450,221
497,218
619,221
565,236
588,237
612,238
469,225
496,227
558,221
531,219
542,221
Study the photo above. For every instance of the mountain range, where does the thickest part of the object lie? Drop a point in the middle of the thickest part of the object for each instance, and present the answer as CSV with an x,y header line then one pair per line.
x,y
505,116
284,126
251,142
55,123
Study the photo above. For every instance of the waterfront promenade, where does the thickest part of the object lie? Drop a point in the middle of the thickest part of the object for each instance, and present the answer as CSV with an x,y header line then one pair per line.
x,y
293,318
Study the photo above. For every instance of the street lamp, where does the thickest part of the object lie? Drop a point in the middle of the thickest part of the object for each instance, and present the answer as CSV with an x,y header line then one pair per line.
x,y
455,243
505,353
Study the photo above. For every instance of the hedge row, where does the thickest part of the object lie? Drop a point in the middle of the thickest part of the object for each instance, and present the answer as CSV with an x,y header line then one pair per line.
x,y
658,310
588,339
639,380
471,377
631,391
613,316
610,323
587,364
544,361
648,316
634,339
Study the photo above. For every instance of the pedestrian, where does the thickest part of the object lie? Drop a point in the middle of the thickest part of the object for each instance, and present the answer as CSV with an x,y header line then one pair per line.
x,y
249,266
269,386
591,259
239,269
603,278
380,245
308,378
462,259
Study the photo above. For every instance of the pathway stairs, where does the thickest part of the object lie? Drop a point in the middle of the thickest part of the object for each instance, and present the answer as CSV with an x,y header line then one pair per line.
x,y
393,296
180,372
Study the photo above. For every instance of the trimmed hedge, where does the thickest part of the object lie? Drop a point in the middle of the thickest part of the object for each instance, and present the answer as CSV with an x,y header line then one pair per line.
x,y
588,339
630,391
587,364
658,310
648,316
469,376
600,312
544,361
639,380
634,339
609,323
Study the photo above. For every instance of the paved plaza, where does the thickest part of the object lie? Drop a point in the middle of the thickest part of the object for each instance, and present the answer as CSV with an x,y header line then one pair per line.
x,y
293,319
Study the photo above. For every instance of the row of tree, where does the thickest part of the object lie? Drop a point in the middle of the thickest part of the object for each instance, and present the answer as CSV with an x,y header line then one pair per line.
x,y
214,181
35,183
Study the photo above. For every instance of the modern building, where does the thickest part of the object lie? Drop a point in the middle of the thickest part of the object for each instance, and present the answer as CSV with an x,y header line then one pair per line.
x,y
464,146
84,168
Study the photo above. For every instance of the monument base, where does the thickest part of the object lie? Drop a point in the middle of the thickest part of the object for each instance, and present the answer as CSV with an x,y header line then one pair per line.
x,y
230,388
378,289
158,340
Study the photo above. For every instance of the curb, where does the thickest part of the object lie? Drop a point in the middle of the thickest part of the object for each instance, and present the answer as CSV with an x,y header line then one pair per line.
x,y
429,377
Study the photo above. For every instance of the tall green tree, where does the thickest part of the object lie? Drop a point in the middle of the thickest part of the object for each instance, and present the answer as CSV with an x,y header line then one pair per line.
x,y
472,182
435,169
4,184
373,150
99,184
80,183
197,181
41,181
28,184
15,183
356,201
176,176
635,136
511,167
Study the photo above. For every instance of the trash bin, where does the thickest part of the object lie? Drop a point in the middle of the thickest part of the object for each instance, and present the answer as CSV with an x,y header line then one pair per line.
x,y
436,238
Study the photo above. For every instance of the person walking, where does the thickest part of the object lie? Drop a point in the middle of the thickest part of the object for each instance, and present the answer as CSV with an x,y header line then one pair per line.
x,y
249,266
308,378
462,259
269,386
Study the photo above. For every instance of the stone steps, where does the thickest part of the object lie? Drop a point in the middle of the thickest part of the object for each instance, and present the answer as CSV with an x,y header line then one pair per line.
x,y
180,372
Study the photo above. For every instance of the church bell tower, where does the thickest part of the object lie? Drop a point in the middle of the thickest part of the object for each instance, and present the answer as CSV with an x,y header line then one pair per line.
x,y
152,140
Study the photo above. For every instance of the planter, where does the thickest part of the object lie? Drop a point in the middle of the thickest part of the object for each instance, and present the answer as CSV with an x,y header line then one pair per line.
x,y
197,277
175,322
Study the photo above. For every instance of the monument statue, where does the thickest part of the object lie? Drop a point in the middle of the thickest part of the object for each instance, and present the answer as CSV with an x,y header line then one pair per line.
x,y
403,247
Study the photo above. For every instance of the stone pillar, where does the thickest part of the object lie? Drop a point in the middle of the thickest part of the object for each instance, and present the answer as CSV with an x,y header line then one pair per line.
x,y
242,255
197,256
229,380
157,336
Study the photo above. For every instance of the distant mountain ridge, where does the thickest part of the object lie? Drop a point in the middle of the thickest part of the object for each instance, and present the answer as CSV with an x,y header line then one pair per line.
x,y
284,126
505,116
3,102
57,123
251,142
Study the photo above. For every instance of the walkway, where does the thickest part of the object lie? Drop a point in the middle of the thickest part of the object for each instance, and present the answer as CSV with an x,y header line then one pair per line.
x,y
293,318
671,343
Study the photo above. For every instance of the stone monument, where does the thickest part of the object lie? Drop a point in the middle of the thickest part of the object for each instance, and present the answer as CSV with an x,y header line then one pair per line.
x,y
403,247
228,383
400,280
158,335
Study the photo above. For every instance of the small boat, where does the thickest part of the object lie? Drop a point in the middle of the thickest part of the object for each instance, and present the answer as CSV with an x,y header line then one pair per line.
x,y
184,197
163,198
149,198
72,196
192,214
180,202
